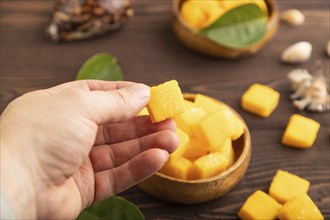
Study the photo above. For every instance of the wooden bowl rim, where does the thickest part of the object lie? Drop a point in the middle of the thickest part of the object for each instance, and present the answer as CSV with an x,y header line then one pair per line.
x,y
245,152
273,17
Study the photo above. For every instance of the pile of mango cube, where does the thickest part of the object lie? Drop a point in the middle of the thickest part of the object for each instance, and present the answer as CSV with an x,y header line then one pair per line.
x,y
200,14
287,199
206,129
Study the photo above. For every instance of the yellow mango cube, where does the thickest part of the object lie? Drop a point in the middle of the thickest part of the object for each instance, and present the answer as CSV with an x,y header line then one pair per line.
x,y
195,148
193,15
231,4
208,166
166,101
238,124
259,206
206,5
183,144
300,132
227,150
214,13
177,168
208,104
189,104
144,111
301,207
215,128
189,119
285,186
260,100
211,8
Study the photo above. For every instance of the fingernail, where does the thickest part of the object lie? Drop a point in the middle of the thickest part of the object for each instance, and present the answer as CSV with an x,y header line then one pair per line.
x,y
166,154
141,90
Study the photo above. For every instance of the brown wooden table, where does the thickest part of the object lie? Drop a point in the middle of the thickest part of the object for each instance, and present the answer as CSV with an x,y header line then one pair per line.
x,y
149,52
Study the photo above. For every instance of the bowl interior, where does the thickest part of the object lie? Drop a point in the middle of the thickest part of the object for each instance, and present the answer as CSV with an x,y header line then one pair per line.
x,y
204,45
176,7
241,148
196,191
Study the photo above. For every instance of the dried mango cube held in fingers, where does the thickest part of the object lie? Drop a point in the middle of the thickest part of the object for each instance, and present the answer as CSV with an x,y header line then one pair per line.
x,y
166,101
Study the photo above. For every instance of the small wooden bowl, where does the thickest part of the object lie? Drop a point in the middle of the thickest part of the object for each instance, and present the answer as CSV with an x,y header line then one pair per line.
x,y
206,46
196,191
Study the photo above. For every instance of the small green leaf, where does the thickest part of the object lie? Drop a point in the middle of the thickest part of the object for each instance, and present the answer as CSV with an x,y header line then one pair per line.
x,y
240,27
100,66
112,208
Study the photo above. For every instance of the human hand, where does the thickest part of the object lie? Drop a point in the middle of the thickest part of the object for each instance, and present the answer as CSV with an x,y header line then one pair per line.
x,y
66,147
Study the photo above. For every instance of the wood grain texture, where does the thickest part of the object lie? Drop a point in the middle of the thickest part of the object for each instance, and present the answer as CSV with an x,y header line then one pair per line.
x,y
149,52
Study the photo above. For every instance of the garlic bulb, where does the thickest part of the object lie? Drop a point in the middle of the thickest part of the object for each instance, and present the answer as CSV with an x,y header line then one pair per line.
x,y
293,17
297,53
328,48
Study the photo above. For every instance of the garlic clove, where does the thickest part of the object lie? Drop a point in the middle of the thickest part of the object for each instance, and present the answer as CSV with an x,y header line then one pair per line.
x,y
328,48
297,53
293,17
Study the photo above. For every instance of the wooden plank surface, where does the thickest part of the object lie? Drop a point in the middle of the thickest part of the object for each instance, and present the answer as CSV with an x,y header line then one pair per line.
x,y
149,52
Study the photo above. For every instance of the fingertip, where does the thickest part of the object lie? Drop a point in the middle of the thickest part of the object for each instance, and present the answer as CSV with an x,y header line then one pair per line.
x,y
174,141
168,124
166,155
141,90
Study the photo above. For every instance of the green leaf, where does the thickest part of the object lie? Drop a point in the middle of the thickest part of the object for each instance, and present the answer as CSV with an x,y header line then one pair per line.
x,y
240,27
112,208
100,66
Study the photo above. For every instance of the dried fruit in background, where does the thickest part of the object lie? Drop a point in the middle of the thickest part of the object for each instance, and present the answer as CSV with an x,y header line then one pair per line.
x,y
297,53
310,91
81,19
293,17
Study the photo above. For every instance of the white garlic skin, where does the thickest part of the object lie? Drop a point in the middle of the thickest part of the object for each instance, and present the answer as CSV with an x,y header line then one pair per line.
x,y
328,48
293,17
297,53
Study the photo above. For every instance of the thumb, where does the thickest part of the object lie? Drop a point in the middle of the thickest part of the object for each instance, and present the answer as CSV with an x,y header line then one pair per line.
x,y
119,105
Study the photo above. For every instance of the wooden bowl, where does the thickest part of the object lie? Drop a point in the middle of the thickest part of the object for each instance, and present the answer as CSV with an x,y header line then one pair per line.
x,y
196,191
206,46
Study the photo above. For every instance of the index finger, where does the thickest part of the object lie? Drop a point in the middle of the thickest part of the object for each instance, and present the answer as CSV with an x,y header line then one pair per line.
x,y
91,85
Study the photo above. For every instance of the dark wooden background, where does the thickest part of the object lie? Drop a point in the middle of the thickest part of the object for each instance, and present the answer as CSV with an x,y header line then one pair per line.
x,y
149,52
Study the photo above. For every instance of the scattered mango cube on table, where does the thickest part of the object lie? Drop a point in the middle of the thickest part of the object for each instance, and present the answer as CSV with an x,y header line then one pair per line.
x,y
285,186
178,168
208,166
259,206
300,132
166,101
260,100
300,207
